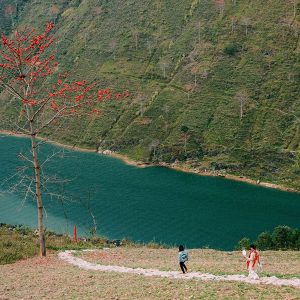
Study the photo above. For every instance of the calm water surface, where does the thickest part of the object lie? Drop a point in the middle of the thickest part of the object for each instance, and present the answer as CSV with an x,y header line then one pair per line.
x,y
146,204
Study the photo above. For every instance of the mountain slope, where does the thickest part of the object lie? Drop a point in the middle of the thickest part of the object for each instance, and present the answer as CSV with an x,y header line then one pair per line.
x,y
213,83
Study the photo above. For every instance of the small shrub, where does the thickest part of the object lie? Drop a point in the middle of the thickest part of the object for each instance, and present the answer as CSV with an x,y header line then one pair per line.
x,y
264,241
244,243
231,49
281,237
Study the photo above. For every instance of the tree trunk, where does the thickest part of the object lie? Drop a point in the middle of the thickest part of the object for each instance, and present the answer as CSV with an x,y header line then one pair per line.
x,y
241,110
38,195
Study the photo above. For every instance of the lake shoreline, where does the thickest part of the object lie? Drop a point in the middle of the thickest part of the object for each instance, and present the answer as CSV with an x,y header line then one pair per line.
x,y
175,166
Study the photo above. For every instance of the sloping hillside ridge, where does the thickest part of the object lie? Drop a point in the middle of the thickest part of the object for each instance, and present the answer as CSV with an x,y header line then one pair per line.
x,y
214,84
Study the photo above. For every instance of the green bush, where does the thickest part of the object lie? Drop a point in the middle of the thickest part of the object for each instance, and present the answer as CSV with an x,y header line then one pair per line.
x,y
281,238
244,243
264,241
231,49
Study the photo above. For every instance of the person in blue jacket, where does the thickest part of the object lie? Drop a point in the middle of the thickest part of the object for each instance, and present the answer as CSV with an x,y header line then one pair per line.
x,y
183,257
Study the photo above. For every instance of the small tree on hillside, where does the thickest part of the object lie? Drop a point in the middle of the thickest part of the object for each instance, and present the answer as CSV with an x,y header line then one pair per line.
x,y
242,98
220,5
294,3
233,24
264,241
245,21
53,12
164,65
11,11
153,147
281,237
141,100
135,35
43,97
185,133
112,47
199,27
195,72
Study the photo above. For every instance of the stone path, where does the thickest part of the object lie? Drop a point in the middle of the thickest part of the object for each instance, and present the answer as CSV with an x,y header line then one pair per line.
x,y
68,257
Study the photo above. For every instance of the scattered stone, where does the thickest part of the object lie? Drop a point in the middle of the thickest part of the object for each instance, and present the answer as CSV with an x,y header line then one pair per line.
x,y
69,258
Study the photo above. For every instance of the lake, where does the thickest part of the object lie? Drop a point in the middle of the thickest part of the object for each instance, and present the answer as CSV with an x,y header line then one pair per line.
x,y
143,204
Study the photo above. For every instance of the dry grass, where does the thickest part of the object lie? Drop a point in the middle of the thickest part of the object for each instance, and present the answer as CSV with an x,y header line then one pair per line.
x,y
51,278
284,264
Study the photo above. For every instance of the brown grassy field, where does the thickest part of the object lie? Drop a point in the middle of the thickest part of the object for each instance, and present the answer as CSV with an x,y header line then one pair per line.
x,y
51,278
283,264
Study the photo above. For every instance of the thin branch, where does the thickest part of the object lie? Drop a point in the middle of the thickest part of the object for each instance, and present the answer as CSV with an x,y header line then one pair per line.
x,y
10,89
59,114
22,156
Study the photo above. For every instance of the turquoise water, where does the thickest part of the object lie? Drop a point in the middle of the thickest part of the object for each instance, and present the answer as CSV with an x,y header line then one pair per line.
x,y
146,204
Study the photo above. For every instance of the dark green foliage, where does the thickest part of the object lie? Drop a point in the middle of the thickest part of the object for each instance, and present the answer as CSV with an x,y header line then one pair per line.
x,y
281,238
231,49
184,129
264,241
244,243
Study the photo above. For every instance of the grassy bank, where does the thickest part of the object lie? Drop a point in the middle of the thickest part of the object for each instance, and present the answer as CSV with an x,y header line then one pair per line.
x,y
19,242
50,278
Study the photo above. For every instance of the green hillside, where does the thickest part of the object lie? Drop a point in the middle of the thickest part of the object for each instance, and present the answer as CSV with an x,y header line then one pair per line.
x,y
190,66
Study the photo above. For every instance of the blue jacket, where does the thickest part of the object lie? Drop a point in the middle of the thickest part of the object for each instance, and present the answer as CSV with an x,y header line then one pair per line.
x,y
183,256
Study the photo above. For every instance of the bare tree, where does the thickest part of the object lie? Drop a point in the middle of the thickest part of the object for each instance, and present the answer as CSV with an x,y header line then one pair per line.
x,y
199,31
153,147
86,203
11,10
166,110
27,64
96,11
242,98
163,65
85,39
246,22
195,72
294,3
53,12
205,74
233,24
188,87
140,99
149,46
112,47
220,5
184,130
135,34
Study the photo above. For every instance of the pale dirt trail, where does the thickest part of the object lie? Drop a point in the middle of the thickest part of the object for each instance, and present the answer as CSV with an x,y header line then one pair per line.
x,y
68,257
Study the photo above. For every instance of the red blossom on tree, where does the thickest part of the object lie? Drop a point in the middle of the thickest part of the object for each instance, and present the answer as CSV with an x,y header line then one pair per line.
x,y
28,71
28,66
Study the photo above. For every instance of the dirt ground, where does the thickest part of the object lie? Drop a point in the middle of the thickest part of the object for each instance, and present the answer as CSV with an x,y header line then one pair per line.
x,y
51,278
284,264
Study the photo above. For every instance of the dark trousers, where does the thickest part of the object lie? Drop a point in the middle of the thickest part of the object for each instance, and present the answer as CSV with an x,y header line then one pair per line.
x,y
183,267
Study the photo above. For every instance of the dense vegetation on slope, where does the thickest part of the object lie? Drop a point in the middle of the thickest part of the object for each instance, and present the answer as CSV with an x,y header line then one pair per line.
x,y
281,238
214,83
